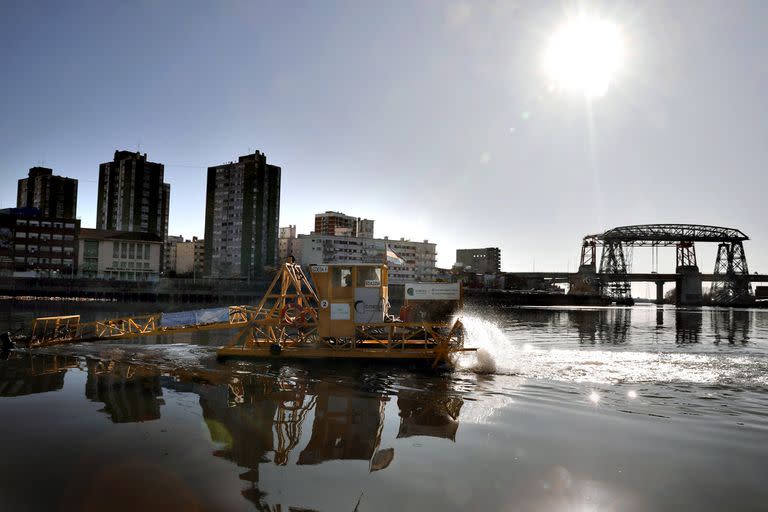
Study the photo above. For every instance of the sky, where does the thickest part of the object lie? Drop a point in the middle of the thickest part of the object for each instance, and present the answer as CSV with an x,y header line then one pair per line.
x,y
434,118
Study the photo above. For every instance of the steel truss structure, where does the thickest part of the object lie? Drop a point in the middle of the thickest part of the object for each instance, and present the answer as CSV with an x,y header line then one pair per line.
x,y
730,265
284,322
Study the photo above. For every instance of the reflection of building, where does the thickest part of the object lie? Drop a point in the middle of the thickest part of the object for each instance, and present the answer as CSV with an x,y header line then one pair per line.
x,y
30,242
242,211
54,196
480,261
418,257
347,425
132,195
119,255
23,374
129,393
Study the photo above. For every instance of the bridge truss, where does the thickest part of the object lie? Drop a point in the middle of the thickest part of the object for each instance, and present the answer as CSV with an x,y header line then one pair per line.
x,y
731,284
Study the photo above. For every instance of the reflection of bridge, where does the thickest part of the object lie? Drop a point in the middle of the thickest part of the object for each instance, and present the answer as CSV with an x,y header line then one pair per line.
x,y
731,281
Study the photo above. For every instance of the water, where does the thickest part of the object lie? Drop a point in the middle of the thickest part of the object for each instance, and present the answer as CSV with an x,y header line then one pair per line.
x,y
564,409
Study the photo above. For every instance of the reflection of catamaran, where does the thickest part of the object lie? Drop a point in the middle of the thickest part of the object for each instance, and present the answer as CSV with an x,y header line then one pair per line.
x,y
344,316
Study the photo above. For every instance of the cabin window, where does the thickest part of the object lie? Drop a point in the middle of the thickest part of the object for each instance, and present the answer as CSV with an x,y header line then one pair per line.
x,y
342,277
368,276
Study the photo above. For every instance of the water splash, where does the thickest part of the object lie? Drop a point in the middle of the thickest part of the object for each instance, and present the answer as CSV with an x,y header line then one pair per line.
x,y
493,346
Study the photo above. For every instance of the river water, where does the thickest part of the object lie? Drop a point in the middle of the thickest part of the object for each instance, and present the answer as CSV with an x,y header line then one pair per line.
x,y
581,409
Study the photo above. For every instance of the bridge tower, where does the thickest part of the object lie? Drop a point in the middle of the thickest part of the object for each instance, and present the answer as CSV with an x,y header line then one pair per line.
x,y
731,284
689,283
614,265
585,282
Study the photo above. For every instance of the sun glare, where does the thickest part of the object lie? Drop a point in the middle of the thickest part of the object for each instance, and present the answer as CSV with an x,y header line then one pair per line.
x,y
584,55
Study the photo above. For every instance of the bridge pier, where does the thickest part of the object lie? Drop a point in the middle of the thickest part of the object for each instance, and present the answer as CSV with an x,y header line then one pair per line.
x,y
659,292
689,286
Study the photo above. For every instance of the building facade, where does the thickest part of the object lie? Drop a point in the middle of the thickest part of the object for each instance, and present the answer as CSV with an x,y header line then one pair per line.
x,y
31,243
169,254
121,255
288,244
190,258
242,212
418,258
54,196
132,195
339,224
480,261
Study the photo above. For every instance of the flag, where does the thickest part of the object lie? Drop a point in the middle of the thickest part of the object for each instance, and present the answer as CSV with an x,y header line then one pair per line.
x,y
393,258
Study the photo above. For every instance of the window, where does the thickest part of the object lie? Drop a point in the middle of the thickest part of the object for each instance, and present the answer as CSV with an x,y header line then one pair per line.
x,y
57,237
146,251
21,222
342,277
69,225
34,235
131,250
123,250
43,224
21,234
115,249
368,276
34,223
56,248
20,247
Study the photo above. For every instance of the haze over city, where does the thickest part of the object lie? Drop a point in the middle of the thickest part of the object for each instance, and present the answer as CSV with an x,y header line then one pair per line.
x,y
436,119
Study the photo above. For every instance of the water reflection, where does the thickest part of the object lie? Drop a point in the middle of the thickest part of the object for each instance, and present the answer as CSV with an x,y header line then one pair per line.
x,y
346,426
23,374
731,325
602,326
130,393
687,326
434,413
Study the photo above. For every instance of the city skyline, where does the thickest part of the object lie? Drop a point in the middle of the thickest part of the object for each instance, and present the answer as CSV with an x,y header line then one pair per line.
x,y
433,119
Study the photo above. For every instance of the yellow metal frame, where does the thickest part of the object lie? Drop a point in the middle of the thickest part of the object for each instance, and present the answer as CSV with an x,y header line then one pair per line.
x,y
265,329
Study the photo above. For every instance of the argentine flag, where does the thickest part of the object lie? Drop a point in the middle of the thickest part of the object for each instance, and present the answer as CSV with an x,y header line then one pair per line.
x,y
393,258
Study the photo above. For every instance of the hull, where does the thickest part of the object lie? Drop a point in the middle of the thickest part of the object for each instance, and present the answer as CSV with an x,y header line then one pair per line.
x,y
405,355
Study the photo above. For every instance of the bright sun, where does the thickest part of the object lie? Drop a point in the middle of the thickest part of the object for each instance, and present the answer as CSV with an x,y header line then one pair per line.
x,y
584,55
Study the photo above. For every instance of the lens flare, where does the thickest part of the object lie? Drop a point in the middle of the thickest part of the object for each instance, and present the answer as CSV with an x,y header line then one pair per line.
x,y
584,55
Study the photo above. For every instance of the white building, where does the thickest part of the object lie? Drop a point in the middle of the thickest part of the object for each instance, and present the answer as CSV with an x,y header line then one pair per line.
x,y
170,253
119,255
418,257
288,244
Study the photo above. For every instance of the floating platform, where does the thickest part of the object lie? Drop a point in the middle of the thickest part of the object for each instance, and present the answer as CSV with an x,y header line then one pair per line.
x,y
362,351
